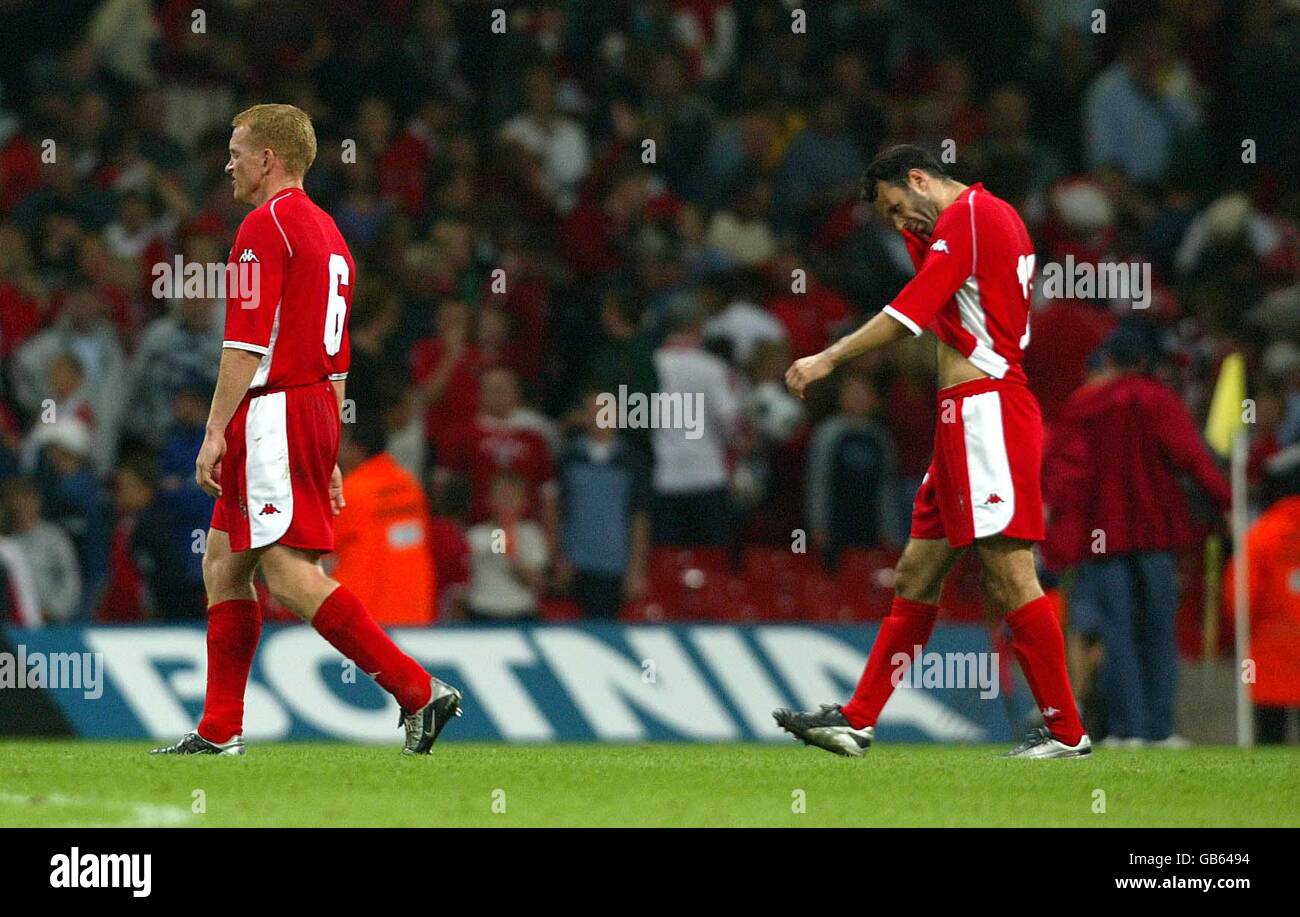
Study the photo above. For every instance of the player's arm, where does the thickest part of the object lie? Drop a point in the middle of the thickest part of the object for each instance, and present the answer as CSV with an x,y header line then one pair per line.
x,y
258,260
336,479
949,261
879,331
233,378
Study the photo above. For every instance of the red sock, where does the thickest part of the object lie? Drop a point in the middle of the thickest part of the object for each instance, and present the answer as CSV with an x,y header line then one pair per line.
x,y
1039,644
908,626
345,623
233,631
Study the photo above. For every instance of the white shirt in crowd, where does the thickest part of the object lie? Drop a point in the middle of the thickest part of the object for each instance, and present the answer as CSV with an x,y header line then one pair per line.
x,y
494,589
690,460
745,325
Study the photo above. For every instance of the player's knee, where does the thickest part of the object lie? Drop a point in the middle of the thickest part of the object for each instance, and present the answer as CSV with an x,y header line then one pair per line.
x,y
218,573
914,582
1007,591
286,592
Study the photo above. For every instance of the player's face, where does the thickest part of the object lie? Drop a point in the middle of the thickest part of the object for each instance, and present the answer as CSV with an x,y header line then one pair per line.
x,y
908,207
246,167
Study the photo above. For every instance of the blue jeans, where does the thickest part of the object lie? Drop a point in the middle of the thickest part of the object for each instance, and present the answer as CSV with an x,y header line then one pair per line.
x,y
1132,599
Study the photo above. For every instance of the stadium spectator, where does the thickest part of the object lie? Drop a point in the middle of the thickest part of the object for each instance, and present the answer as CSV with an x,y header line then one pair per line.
x,y
494,443
1140,108
381,537
449,547
84,331
1273,559
622,356
146,552
604,517
43,549
1112,467
66,399
558,142
73,498
770,450
691,476
445,369
741,232
852,473
508,560
175,349
179,495
742,323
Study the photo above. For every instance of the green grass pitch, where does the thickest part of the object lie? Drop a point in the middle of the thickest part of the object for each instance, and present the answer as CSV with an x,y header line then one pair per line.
x,y
74,783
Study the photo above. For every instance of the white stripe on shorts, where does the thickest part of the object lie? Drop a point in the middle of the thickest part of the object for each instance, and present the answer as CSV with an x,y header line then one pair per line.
x,y
266,469
988,470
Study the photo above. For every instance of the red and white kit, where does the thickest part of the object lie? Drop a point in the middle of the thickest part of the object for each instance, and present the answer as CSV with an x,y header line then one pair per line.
x,y
283,440
972,289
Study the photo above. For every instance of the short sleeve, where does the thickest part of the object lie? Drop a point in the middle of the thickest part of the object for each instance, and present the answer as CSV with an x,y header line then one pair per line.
x,y
255,281
948,263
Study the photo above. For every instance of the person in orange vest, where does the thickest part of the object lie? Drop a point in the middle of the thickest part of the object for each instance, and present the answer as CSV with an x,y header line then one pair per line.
x,y
1273,556
381,536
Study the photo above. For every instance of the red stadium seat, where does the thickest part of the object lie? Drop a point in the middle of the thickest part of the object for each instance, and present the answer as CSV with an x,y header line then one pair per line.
x,y
679,575
822,599
644,611
774,578
866,577
554,610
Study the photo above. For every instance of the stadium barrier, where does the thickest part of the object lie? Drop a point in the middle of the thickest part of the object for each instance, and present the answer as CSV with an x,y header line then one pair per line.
x,y
591,682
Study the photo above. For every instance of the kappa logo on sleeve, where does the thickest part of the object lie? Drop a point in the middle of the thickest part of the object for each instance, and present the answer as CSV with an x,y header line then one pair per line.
x,y
939,246
248,256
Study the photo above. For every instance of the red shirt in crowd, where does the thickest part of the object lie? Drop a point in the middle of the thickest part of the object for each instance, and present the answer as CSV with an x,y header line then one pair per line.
x,y
446,418
1112,463
1065,335
809,317
484,450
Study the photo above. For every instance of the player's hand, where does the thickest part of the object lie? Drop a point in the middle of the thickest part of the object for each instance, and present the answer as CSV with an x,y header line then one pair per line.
x,y
336,491
207,466
806,371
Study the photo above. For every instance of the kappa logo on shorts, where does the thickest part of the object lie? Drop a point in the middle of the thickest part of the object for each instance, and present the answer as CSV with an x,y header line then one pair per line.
x,y
268,510
993,498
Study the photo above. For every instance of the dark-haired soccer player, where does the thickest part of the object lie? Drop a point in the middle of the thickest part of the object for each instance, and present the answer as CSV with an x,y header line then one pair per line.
x,y
270,452
975,265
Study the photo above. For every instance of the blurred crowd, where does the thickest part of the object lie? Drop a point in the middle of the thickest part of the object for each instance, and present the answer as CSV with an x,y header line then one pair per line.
x,y
647,196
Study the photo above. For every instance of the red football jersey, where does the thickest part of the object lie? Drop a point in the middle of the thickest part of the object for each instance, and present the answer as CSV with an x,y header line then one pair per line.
x,y
481,452
973,283
295,310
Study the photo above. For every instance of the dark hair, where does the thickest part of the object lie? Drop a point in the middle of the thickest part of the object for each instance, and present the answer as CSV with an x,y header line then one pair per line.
x,y
892,165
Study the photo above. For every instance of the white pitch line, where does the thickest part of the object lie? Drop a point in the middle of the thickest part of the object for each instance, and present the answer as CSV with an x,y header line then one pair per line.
x,y
143,814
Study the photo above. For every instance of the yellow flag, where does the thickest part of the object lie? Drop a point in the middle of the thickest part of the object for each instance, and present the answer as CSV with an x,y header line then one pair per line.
x,y
1226,407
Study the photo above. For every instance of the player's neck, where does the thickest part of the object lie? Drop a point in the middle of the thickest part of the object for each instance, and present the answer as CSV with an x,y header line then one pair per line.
x,y
951,191
270,188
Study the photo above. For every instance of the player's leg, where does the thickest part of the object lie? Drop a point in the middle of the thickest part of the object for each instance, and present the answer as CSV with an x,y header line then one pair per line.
x,y
234,627
920,575
1011,583
850,729
297,581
